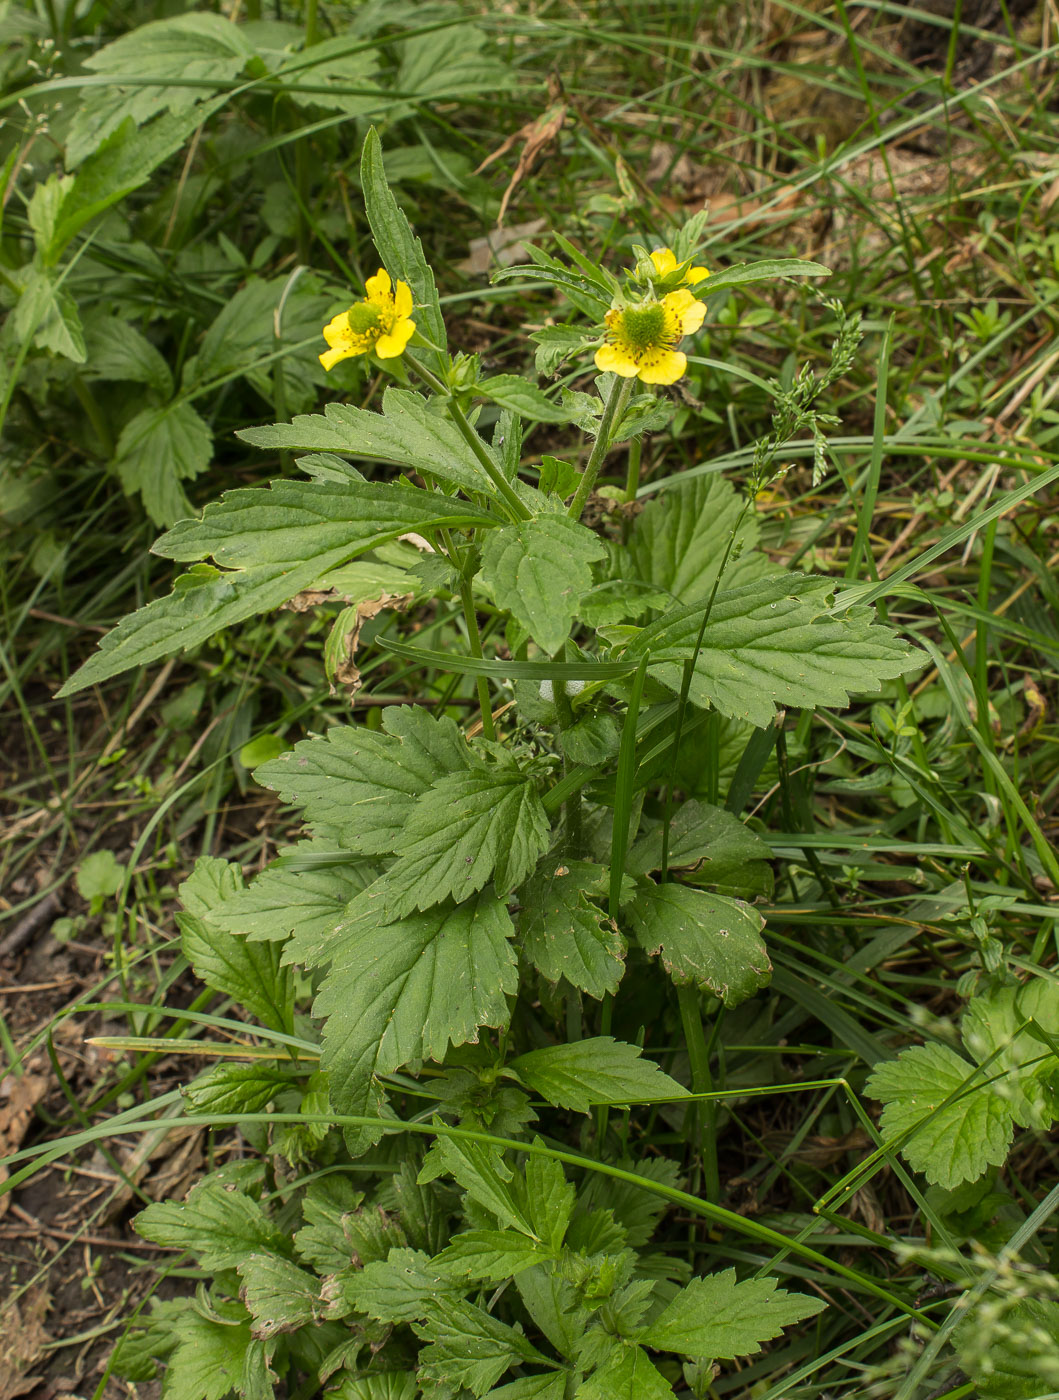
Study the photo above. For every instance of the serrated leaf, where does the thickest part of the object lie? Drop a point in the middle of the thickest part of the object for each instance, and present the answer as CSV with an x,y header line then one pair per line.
x,y
211,1359
334,67
468,829
598,1070
1014,1356
248,972
46,312
490,1255
705,940
219,1227
538,570
299,536
323,1241
409,990
407,433
628,1376
363,783
117,350
551,1386
280,1296
522,397
482,1172
389,1385
774,641
158,449
949,1145
563,934
991,1031
227,1088
400,250
468,1346
211,882
400,1289
450,63
719,1318
717,846
554,345
680,538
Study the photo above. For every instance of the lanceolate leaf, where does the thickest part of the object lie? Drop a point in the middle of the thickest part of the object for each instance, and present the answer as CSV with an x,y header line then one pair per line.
x,y
538,570
599,1070
774,641
719,1318
408,990
707,940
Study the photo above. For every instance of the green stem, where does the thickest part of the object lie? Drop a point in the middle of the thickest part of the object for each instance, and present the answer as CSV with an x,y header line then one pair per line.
x,y
703,1127
632,474
311,34
572,806
613,409
474,636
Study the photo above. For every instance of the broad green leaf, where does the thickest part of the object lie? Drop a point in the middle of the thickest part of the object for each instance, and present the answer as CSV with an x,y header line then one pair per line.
x,y
211,882
705,940
1013,1355
949,1145
295,534
490,1256
766,271
401,1288
211,1359
564,934
228,1088
468,829
348,77
400,250
719,1318
218,1226
279,1296
636,1209
248,972
555,344
774,641
479,1168
389,1385
680,538
407,433
991,1031
522,397
719,850
115,349
323,1241
408,990
539,570
628,1376
47,314
100,875
550,1386
598,1070
468,1346
450,63
158,449
363,784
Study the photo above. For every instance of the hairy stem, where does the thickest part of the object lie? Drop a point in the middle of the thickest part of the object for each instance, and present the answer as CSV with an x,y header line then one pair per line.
x,y
617,400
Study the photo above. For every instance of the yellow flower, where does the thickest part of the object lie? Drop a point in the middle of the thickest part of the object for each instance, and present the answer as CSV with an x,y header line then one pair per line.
x,y
665,261
641,339
381,322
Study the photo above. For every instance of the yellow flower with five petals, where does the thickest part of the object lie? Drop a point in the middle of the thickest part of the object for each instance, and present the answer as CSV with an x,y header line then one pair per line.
x,y
641,340
665,261
381,322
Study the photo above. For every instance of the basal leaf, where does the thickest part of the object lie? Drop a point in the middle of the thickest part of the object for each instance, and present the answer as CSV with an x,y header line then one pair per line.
x,y
346,77
408,990
720,1318
548,1386
715,846
117,350
705,940
774,641
564,934
469,1347
628,1376
218,1226
401,1288
949,1144
248,972
279,1296
213,1358
482,1172
1013,1355
490,1256
228,1088
158,449
538,570
991,1030
598,1070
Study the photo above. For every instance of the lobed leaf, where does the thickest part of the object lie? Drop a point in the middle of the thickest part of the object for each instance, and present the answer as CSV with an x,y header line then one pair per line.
x,y
598,1070
705,940
720,1318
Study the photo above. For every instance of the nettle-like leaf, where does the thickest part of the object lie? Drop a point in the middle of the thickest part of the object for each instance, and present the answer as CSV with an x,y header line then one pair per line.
x,y
774,641
680,540
363,784
469,1347
598,1070
407,990
713,845
228,1088
538,571
628,1375
275,542
491,1256
955,1142
158,449
217,1225
279,1296
212,1358
718,1318
564,934
704,940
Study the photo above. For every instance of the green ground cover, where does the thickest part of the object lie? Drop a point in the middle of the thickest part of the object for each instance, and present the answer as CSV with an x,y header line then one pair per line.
x,y
647,985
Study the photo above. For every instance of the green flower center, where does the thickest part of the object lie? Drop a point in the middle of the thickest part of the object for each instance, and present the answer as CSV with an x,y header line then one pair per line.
x,y
365,316
644,326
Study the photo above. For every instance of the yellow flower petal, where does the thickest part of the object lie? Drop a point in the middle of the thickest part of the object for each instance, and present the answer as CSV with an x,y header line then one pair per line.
x,y
393,343
665,260
696,275
613,360
688,311
402,300
664,368
330,358
337,331
378,287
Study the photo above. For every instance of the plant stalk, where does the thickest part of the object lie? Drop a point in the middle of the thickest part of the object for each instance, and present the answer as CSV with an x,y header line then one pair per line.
x,y
702,1124
617,401
475,639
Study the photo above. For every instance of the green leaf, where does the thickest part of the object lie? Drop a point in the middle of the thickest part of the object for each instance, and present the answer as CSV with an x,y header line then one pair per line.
x,y
490,1255
721,851
766,271
469,1347
48,314
295,534
409,990
555,344
522,397
115,349
679,540
211,1359
407,433
951,1144
704,940
479,1168
551,1386
538,570
218,1226
363,784
211,882
564,934
719,1318
598,1070
329,64
324,1241
400,250
1012,1356
227,1088
774,641
991,1031
468,829
401,1289
450,63
158,449
628,1376
390,1385
248,972
99,876
279,1296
